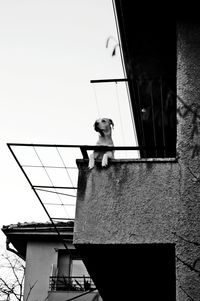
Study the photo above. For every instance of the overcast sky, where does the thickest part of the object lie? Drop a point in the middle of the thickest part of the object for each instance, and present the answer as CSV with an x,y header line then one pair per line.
x,y
49,52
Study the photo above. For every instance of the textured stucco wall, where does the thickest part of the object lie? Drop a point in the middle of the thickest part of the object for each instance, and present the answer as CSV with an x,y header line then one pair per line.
x,y
131,201
154,202
188,90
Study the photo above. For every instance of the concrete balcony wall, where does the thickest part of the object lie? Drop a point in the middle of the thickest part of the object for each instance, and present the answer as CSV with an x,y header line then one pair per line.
x,y
129,202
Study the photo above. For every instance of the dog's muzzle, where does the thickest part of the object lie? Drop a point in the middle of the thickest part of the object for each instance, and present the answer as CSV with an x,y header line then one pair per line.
x,y
97,129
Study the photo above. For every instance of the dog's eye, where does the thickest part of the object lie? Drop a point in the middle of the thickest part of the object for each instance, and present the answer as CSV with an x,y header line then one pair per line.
x,y
103,120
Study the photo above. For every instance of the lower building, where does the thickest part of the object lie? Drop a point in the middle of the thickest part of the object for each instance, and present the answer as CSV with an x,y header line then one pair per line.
x,y
54,270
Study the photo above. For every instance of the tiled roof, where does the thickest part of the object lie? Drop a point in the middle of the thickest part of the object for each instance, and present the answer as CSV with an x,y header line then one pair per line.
x,y
38,225
19,234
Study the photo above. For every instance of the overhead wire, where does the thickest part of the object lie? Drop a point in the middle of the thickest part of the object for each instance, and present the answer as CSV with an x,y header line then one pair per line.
x,y
119,112
96,100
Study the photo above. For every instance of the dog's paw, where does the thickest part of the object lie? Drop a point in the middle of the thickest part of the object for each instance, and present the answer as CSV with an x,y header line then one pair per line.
x,y
90,166
104,162
91,162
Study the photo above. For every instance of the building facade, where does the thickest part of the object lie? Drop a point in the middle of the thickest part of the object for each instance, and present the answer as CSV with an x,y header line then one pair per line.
x,y
143,214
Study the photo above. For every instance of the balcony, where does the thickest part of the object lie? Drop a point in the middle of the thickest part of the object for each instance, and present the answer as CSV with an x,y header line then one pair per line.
x,y
72,288
126,215
78,284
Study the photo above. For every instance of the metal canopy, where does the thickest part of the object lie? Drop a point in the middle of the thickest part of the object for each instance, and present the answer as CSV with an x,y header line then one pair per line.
x,y
52,173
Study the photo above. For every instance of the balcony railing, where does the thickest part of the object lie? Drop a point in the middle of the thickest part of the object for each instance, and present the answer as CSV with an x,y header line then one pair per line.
x,y
71,283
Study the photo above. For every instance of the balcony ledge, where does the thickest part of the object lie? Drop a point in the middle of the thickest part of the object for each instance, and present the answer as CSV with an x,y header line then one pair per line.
x,y
135,160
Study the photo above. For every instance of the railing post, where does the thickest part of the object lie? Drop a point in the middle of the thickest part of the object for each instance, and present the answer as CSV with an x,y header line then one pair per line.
x,y
84,152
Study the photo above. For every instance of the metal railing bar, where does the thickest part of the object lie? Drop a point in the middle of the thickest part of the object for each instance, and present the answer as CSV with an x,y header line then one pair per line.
x,y
104,147
122,148
84,152
45,190
88,147
72,283
111,80
44,145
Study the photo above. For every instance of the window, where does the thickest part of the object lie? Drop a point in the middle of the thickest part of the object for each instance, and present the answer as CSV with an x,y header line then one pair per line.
x,y
148,38
78,268
70,274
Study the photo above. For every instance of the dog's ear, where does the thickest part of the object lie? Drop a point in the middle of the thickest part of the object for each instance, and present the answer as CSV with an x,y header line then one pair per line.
x,y
111,123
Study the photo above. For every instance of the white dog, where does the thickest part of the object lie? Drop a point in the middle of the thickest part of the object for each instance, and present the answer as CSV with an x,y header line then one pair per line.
x,y
104,127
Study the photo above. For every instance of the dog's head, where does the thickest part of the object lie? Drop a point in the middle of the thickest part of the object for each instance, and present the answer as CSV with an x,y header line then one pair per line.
x,y
103,125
